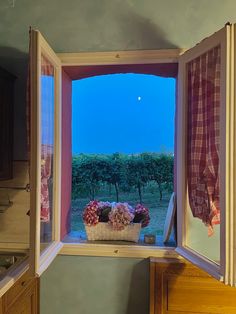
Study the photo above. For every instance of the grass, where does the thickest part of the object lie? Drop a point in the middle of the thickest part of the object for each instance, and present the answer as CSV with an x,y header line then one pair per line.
x,y
151,196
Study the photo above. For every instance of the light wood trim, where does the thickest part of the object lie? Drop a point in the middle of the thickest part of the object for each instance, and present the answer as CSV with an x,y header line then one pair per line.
x,y
39,261
181,154
200,261
51,56
47,51
233,104
224,146
230,165
34,158
48,256
120,57
116,250
219,38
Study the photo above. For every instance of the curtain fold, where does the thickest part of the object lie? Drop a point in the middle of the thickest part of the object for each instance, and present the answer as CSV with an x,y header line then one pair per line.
x,y
203,75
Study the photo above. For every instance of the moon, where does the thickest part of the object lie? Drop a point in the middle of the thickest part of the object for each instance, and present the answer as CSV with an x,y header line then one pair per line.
x,y
139,98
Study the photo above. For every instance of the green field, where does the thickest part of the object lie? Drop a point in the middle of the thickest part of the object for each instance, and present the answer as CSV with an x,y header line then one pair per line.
x,y
157,207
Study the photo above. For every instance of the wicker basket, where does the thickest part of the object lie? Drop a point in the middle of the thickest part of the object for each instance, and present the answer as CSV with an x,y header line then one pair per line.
x,y
103,231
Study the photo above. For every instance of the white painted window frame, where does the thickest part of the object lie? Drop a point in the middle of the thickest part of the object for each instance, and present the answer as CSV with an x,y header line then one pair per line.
x,y
228,239
226,270
39,261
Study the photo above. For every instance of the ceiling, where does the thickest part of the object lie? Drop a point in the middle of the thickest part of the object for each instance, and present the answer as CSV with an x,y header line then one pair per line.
x,y
107,25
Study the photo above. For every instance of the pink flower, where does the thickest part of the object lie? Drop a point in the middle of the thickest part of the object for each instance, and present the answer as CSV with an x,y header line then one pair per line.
x,y
120,216
142,215
90,215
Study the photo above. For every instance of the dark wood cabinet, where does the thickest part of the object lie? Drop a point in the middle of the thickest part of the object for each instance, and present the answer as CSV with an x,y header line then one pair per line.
x,y
6,123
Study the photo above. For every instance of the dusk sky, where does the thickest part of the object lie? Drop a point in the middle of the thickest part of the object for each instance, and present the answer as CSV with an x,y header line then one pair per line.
x,y
126,113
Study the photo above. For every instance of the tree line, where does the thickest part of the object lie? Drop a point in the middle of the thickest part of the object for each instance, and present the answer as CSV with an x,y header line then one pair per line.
x,y
123,172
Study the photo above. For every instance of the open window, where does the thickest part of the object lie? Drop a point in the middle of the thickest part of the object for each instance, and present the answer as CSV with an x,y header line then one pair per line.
x,y
206,158
205,71
45,133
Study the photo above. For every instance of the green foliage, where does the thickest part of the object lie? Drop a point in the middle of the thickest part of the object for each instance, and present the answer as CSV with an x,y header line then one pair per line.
x,y
137,173
91,173
160,169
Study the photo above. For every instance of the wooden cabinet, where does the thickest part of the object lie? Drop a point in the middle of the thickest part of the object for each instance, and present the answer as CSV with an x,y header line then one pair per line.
x,y
6,124
22,297
179,287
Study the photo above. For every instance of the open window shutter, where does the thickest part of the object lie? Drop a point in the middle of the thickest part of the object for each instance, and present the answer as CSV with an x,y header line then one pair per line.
x,y
206,155
45,153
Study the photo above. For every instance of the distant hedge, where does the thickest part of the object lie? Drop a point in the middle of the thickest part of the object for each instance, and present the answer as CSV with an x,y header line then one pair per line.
x,y
124,172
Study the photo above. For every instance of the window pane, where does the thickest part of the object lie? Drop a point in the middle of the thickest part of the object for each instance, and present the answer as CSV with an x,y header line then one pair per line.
x,y
203,98
47,151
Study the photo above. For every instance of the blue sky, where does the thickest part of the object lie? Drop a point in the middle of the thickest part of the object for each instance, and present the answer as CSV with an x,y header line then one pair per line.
x,y
126,113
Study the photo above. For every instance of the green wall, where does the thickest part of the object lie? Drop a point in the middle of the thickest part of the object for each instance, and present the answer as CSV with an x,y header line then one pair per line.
x,y
99,285
101,25
88,285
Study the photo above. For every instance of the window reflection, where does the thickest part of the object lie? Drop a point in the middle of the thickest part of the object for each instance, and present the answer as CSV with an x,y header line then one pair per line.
x,y
47,150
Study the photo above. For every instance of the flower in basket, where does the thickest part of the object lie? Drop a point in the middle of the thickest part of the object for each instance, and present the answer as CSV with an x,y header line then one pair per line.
x,y
117,215
90,215
121,215
141,215
104,209
96,212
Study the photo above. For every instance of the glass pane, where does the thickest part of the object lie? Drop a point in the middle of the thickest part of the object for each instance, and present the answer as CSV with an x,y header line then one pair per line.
x,y
203,99
47,151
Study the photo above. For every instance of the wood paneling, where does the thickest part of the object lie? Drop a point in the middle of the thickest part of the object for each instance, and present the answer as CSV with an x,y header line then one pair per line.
x,y
22,297
178,287
18,288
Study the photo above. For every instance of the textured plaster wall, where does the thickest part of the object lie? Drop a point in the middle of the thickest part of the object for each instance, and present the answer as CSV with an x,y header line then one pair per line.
x,y
101,25
87,285
99,285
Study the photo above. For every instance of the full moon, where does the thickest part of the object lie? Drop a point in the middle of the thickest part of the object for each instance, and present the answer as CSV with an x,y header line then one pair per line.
x,y
139,98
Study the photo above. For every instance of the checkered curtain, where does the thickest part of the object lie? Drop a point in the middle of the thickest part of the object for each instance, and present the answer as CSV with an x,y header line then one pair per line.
x,y
47,122
203,74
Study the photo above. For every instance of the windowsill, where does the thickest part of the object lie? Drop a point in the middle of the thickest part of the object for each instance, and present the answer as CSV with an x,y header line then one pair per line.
x,y
75,243
80,237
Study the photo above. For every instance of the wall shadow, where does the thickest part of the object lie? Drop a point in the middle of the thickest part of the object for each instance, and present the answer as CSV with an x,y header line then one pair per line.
x,y
16,62
138,300
137,31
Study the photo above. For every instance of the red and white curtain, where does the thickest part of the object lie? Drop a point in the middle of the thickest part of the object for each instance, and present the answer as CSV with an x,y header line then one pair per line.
x,y
47,134
46,67
203,75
